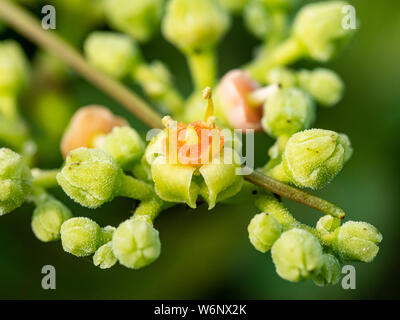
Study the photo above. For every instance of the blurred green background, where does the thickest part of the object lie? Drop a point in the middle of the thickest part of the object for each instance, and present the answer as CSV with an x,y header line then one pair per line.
x,y
207,254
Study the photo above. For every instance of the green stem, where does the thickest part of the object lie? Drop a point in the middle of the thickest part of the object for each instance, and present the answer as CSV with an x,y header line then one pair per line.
x,y
295,194
287,52
149,209
45,178
203,68
269,204
279,28
135,189
29,26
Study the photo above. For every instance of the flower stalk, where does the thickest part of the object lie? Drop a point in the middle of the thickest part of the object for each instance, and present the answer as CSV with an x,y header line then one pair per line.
x,y
24,23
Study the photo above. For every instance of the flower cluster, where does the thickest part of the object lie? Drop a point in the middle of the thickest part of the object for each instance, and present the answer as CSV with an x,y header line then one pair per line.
x,y
194,158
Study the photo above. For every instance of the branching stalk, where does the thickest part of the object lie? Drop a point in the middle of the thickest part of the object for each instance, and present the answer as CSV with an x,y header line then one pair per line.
x,y
26,24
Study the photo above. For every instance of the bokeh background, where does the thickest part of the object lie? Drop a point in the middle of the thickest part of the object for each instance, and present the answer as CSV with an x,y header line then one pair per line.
x,y
207,254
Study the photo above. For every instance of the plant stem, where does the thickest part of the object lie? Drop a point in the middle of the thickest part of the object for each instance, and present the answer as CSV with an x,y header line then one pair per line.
x,y
135,189
203,69
27,25
285,53
295,194
44,178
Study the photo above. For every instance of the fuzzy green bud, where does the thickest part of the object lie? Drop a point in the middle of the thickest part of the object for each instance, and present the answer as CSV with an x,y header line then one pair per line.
x,y
136,244
285,77
13,67
358,241
139,19
264,230
125,145
15,180
48,218
257,19
324,85
113,53
104,257
81,236
327,224
90,177
329,272
195,25
312,158
318,27
297,254
288,111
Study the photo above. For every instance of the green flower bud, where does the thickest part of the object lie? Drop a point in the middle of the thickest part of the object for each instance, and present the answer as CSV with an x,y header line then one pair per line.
x,y
358,241
90,177
136,244
125,145
297,254
327,224
104,257
312,158
264,230
287,112
13,67
285,77
140,19
257,19
323,84
329,272
15,180
114,53
81,236
318,27
108,233
48,218
195,25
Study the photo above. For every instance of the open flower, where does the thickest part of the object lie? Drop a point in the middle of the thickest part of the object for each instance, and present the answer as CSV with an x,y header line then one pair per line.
x,y
87,125
188,160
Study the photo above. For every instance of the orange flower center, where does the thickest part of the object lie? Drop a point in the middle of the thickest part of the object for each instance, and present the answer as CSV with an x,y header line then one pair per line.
x,y
193,144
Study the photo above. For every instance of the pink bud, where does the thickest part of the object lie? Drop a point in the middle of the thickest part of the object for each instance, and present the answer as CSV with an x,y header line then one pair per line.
x,y
87,123
234,91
